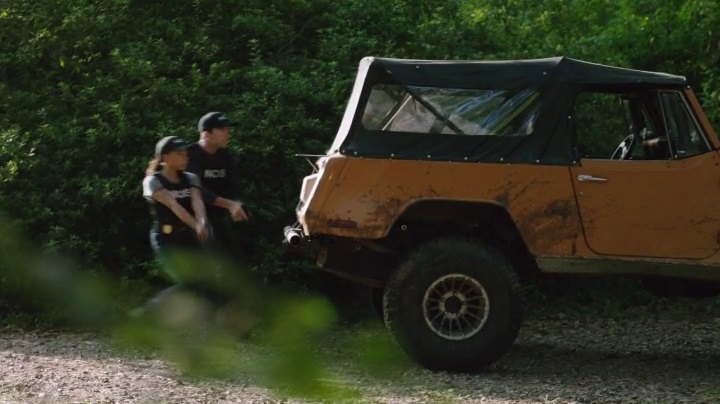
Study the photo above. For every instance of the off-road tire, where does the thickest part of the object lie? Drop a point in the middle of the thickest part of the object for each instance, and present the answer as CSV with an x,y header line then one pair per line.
x,y
376,301
485,274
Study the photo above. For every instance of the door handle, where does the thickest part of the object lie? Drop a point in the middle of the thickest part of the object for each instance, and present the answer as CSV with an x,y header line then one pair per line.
x,y
590,178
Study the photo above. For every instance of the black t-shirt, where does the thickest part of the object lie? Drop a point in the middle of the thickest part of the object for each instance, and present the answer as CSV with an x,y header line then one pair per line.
x,y
217,173
180,190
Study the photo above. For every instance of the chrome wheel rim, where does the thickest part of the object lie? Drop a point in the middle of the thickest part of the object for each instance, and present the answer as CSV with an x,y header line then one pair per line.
x,y
456,307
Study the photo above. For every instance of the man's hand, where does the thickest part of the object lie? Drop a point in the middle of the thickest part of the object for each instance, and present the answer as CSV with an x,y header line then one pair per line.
x,y
237,211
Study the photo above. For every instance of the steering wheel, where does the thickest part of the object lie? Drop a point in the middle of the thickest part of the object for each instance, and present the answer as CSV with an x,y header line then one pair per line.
x,y
622,151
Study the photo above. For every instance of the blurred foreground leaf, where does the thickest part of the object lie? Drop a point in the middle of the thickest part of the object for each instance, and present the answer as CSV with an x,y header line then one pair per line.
x,y
221,324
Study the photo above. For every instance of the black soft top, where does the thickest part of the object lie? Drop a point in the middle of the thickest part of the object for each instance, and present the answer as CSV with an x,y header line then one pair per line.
x,y
557,80
514,73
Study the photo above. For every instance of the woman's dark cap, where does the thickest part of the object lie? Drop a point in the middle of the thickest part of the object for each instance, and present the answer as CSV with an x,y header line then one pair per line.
x,y
213,120
168,144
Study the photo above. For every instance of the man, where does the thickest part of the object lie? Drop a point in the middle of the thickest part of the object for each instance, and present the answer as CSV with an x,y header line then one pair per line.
x,y
210,160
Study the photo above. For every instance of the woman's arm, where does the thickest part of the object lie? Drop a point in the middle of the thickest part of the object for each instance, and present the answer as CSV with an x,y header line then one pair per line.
x,y
200,217
166,198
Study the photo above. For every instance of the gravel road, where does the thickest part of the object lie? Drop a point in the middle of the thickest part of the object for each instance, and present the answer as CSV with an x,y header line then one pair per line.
x,y
669,354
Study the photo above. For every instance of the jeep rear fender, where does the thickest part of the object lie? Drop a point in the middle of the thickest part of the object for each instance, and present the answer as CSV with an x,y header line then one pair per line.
x,y
362,197
487,220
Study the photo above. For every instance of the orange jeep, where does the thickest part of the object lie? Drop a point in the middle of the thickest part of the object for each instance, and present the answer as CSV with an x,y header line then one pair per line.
x,y
448,179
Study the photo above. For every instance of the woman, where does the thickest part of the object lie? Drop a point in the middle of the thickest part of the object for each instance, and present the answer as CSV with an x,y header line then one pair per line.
x,y
176,203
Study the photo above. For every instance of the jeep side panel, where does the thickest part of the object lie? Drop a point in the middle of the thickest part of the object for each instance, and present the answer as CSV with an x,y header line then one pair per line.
x,y
362,198
651,208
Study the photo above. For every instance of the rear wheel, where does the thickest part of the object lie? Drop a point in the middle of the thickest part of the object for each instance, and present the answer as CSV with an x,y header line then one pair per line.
x,y
454,304
376,300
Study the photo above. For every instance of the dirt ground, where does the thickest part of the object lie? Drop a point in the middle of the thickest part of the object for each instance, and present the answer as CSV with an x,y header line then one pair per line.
x,y
669,353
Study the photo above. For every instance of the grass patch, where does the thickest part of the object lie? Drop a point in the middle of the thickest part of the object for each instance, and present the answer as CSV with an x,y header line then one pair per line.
x,y
711,395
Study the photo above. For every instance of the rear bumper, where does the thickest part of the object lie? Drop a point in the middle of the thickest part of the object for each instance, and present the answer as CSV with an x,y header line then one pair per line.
x,y
293,236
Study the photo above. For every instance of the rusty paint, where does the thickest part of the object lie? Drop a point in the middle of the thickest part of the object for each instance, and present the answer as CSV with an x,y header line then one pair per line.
x,y
503,199
651,208
557,214
343,224
373,193
550,226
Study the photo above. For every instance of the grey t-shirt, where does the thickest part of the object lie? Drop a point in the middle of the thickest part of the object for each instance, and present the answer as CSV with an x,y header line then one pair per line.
x,y
152,184
181,191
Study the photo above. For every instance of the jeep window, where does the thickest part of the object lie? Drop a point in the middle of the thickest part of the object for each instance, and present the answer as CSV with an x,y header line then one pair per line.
x,y
644,125
620,125
396,108
685,135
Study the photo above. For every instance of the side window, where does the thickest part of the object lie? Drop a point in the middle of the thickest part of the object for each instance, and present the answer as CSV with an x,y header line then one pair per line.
x,y
448,111
619,126
600,123
686,139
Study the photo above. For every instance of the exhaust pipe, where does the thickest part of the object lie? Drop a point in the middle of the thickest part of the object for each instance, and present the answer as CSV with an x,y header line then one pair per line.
x,y
293,236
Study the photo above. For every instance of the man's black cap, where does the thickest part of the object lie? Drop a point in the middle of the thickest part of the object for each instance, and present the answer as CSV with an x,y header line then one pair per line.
x,y
213,120
168,144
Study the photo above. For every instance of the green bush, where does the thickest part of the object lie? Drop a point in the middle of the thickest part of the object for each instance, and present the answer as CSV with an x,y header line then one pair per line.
x,y
87,87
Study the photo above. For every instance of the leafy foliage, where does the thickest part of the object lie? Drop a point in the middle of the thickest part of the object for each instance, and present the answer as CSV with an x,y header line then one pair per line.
x,y
87,87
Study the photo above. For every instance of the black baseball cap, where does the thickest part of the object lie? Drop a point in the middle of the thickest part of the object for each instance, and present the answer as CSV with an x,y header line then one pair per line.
x,y
213,120
168,144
